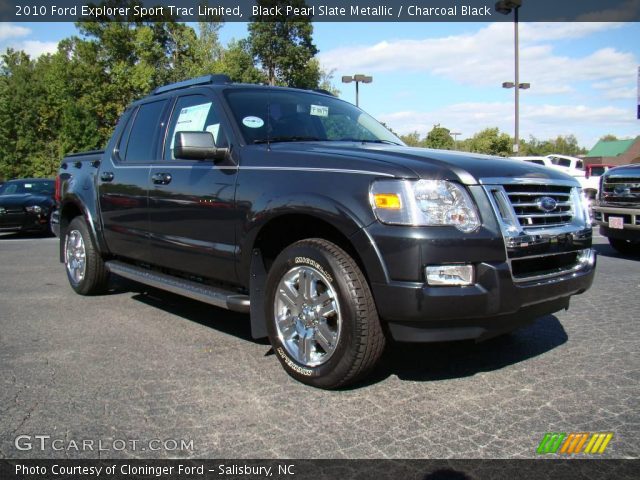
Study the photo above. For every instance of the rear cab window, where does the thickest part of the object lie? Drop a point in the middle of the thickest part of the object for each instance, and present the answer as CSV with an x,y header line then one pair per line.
x,y
139,140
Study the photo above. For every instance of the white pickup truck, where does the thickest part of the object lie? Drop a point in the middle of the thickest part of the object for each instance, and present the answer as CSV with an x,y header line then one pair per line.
x,y
589,176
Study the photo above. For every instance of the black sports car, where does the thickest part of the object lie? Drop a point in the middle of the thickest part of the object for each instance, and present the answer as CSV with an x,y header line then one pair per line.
x,y
26,205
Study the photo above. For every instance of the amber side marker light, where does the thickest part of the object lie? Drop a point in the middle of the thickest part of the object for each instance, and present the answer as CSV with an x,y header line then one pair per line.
x,y
388,201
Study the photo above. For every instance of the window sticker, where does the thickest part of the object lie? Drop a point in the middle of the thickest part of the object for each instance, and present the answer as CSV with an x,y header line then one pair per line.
x,y
28,185
319,111
191,119
252,122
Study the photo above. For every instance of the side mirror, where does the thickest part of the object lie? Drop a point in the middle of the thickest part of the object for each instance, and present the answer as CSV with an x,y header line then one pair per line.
x,y
197,146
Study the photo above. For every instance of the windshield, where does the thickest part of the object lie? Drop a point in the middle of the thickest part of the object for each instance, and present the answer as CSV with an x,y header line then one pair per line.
x,y
288,116
33,187
562,162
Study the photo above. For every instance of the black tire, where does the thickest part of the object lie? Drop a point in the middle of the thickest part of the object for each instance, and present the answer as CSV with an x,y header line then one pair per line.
x,y
626,247
360,340
95,278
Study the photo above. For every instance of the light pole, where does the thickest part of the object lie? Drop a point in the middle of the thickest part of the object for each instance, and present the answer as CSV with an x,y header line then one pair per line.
x,y
506,7
455,138
357,78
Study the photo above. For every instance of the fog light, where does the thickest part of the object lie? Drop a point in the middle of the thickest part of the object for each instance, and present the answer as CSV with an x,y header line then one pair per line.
x,y
449,275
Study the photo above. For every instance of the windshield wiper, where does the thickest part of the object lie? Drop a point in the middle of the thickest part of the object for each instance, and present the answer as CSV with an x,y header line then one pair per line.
x,y
291,138
387,142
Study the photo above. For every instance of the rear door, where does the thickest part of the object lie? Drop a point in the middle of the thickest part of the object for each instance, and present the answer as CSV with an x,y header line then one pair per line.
x,y
123,182
191,203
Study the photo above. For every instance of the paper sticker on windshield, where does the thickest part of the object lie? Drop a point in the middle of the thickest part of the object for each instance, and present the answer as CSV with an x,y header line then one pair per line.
x,y
319,111
252,122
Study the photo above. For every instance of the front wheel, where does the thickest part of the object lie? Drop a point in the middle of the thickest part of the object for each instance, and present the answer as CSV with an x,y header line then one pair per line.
x,y
85,268
626,247
322,320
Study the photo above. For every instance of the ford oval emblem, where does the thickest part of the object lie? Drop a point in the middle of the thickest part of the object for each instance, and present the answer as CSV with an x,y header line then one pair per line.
x,y
622,190
547,204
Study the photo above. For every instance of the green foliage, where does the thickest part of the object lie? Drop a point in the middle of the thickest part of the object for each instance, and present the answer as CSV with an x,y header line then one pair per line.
x,y
237,62
609,138
284,47
412,139
565,145
490,141
439,137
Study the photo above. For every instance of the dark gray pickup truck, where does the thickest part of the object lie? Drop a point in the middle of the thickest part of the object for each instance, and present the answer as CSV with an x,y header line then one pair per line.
x,y
302,210
617,208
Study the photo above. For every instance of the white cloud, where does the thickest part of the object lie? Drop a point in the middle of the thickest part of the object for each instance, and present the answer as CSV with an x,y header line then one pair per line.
x,y
541,121
8,30
35,48
484,58
12,36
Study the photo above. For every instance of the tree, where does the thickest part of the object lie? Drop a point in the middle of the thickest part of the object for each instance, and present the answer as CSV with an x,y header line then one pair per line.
x,y
491,142
237,62
412,139
439,137
283,46
608,138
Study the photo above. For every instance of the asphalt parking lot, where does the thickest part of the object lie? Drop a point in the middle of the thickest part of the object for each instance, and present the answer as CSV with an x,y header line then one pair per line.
x,y
140,365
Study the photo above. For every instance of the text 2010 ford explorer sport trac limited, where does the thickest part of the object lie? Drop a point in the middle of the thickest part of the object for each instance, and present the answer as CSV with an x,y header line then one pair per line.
x,y
305,212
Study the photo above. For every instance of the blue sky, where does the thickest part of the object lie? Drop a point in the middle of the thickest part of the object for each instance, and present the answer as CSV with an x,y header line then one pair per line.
x,y
583,75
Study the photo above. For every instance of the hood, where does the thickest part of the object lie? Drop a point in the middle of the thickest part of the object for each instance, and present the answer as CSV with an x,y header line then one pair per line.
x,y
24,199
624,171
466,168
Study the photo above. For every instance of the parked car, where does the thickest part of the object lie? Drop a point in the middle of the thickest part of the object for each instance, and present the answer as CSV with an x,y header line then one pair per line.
x,y
617,209
566,163
543,161
591,180
26,205
304,211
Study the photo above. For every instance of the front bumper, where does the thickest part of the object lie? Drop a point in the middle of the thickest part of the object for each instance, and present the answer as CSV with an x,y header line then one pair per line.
x,y
23,222
497,302
631,221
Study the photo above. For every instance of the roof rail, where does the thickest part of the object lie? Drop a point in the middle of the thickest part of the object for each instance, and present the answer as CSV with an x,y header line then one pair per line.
x,y
322,90
204,80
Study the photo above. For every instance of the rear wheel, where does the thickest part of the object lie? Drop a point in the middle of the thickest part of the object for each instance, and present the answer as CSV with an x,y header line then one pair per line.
x,y
322,321
85,268
625,246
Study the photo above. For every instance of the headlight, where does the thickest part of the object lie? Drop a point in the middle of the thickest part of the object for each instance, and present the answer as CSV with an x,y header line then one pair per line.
x,y
37,209
424,203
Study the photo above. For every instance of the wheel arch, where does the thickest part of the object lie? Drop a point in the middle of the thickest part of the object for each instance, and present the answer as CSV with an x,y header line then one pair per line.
x,y
268,241
70,209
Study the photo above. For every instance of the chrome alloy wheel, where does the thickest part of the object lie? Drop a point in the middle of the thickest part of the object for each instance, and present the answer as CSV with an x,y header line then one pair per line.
x,y
307,315
75,256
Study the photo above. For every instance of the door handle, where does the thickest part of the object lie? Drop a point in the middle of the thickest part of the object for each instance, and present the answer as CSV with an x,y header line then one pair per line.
x,y
106,176
161,178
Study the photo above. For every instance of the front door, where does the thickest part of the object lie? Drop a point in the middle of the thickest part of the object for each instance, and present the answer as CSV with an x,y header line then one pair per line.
x,y
191,203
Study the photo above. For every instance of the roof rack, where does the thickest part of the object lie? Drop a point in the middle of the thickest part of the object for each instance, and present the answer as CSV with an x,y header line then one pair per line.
x,y
204,80
322,90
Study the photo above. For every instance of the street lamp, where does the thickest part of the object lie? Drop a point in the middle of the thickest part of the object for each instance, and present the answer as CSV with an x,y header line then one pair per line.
x,y
455,138
506,7
357,78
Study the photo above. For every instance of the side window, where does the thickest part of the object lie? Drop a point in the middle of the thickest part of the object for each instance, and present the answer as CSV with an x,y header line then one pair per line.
x,y
194,113
124,136
144,134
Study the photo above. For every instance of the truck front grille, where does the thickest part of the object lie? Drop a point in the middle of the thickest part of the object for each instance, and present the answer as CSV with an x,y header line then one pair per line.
x,y
540,206
621,190
546,229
